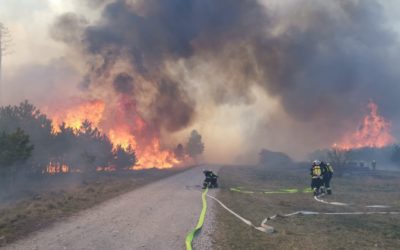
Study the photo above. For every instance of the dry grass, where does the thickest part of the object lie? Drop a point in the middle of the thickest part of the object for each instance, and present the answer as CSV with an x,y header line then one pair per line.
x,y
307,232
43,207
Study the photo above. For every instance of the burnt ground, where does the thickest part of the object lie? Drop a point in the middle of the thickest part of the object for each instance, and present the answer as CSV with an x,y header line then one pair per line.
x,y
307,232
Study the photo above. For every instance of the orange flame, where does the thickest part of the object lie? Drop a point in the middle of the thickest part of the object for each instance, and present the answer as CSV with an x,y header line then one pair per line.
x,y
74,116
106,169
56,168
374,132
121,136
153,156
136,136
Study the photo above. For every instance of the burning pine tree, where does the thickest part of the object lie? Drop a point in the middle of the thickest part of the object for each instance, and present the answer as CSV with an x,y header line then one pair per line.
x,y
374,132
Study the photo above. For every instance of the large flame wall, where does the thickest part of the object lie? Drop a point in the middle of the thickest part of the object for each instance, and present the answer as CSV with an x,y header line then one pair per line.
x,y
135,133
374,131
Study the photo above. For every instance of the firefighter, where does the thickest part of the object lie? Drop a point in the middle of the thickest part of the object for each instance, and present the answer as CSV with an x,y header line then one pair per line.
x,y
316,177
211,179
214,178
373,163
327,176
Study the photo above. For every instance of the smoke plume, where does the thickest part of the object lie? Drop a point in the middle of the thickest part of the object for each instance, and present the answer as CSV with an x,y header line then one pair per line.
x,y
296,66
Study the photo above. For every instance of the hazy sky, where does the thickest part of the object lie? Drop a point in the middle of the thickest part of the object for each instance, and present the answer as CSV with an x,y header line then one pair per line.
x,y
29,22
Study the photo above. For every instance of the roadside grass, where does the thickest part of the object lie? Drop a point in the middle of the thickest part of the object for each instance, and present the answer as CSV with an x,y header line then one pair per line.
x,y
64,196
307,232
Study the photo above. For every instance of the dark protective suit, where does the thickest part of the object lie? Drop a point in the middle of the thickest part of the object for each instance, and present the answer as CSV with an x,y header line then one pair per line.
x,y
327,176
211,179
317,172
373,165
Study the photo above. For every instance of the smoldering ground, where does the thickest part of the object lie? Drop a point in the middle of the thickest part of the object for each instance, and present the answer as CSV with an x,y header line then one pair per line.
x,y
317,64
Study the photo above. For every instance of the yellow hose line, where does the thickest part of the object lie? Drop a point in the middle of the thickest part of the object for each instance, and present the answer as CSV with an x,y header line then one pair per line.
x,y
191,234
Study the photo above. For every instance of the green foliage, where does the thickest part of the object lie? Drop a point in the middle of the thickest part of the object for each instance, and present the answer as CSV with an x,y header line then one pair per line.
x,y
35,124
194,146
14,148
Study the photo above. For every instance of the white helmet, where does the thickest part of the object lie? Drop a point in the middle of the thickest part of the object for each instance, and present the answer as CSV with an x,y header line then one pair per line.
x,y
316,162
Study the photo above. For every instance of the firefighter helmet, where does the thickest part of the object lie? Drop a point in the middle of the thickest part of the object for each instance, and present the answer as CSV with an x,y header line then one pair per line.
x,y
316,162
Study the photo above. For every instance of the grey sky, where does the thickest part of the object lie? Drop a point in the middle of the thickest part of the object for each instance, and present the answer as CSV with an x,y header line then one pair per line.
x,y
29,22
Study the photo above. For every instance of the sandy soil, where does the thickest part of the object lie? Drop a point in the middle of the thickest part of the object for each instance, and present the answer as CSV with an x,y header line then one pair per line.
x,y
157,216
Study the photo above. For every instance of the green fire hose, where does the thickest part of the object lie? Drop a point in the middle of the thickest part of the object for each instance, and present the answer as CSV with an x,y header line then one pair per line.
x,y
191,234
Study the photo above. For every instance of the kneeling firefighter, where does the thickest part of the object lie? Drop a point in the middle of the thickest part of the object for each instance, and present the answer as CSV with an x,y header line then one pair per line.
x,y
211,179
327,176
317,172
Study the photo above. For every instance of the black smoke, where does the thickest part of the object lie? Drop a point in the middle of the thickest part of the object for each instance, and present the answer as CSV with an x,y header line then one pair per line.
x,y
332,62
149,36
69,28
319,59
123,83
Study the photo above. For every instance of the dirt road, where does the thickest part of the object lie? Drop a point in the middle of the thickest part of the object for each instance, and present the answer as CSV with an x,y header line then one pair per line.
x,y
157,216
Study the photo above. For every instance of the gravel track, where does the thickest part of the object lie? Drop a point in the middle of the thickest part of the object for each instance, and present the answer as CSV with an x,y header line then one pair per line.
x,y
204,240
156,216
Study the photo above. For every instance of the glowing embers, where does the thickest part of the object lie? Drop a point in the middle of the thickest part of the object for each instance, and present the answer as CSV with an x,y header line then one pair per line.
x,y
56,168
374,132
106,169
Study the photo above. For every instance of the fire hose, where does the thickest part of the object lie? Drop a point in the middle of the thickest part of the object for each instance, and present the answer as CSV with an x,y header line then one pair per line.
x,y
191,234
269,229
318,198
263,228
189,238
294,190
323,213
280,191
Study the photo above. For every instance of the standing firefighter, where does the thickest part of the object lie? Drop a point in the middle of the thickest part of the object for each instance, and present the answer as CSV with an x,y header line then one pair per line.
x,y
316,177
373,164
327,176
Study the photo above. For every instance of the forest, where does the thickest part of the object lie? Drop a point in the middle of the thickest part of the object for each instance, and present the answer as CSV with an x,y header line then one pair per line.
x,y
29,146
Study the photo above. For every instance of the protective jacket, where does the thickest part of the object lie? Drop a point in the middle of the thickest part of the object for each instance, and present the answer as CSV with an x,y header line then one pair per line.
x,y
329,170
317,171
